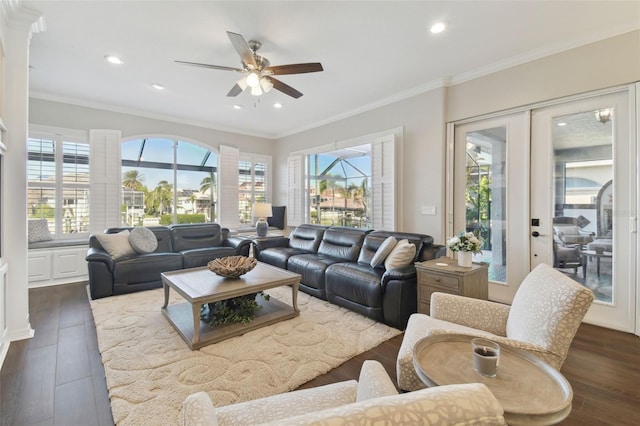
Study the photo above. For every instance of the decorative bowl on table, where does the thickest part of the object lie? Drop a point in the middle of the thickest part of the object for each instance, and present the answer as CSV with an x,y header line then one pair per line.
x,y
232,266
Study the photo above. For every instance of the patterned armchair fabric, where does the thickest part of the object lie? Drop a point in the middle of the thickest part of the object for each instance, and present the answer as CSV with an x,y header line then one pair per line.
x,y
543,319
371,400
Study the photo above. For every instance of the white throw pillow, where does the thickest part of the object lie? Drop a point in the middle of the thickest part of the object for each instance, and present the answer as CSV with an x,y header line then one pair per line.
x,y
117,245
38,230
402,255
383,251
143,240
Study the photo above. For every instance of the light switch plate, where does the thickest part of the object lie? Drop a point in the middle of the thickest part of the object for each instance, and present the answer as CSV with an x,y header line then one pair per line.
x,y
430,210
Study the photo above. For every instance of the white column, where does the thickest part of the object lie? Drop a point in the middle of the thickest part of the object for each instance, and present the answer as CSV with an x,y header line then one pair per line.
x,y
16,39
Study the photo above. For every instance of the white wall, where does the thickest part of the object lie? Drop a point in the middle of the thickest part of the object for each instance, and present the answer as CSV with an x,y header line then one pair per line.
x,y
599,65
421,165
606,63
58,114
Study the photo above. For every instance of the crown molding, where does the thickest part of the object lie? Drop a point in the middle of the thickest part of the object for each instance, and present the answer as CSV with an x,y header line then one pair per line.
x,y
146,114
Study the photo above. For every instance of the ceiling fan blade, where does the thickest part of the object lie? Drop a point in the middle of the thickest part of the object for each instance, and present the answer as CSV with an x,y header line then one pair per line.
x,y
295,68
215,67
242,47
285,88
235,91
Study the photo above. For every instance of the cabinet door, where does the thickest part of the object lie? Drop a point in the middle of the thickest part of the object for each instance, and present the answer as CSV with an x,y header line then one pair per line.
x,y
39,265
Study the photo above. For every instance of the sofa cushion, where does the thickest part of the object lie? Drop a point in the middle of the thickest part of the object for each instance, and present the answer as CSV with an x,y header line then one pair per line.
x,y
145,268
200,257
311,268
143,240
279,256
195,236
117,245
307,237
383,251
354,282
38,230
342,243
402,255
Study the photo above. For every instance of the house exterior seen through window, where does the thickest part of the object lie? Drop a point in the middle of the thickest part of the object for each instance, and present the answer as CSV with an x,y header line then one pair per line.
x,y
58,184
167,181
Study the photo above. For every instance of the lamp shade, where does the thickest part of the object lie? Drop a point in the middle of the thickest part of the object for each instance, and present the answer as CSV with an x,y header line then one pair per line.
x,y
262,210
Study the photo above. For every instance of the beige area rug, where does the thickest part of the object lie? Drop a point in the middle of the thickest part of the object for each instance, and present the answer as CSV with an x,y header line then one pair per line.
x,y
150,370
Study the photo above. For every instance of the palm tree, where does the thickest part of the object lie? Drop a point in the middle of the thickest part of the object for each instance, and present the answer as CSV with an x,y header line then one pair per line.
x,y
132,179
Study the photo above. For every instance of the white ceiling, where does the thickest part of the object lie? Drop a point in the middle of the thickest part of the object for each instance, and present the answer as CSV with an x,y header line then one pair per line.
x,y
373,52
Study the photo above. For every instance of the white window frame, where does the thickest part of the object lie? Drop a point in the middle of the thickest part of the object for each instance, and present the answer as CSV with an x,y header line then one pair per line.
x,y
254,159
59,136
385,179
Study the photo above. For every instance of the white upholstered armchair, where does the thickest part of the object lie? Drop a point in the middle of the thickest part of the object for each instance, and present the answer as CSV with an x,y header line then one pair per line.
x,y
373,399
543,319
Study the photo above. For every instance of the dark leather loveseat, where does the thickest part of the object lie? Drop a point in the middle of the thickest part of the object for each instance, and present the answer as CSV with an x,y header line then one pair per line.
x,y
179,247
335,265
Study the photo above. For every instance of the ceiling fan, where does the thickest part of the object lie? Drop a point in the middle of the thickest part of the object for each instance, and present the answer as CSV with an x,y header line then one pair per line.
x,y
258,73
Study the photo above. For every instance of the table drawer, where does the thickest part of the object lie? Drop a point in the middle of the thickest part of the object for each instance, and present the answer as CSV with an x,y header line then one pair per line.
x,y
441,281
425,294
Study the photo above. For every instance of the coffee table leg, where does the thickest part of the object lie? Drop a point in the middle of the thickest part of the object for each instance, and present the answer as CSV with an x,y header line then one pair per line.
x,y
196,324
294,296
166,294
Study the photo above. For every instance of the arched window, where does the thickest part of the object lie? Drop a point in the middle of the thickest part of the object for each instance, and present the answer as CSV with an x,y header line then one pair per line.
x,y
166,180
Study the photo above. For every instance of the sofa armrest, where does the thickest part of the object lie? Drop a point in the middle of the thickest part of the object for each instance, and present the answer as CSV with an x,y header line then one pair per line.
x,y
470,403
475,313
374,382
197,409
98,255
401,274
275,408
241,245
260,244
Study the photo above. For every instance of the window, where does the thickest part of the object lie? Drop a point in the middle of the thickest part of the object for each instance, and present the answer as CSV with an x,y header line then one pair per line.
x,y
167,181
252,186
58,184
339,187
348,183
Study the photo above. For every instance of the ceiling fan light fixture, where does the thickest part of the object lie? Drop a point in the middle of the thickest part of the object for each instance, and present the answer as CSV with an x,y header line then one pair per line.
x,y
266,84
253,80
604,115
256,91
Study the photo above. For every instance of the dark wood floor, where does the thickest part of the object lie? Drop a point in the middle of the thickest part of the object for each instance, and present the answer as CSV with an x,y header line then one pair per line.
x,y
57,377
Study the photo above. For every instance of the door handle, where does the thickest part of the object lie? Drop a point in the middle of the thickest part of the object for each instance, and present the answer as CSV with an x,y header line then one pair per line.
x,y
536,234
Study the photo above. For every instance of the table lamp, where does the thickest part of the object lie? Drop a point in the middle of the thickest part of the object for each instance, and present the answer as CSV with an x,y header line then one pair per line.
x,y
262,211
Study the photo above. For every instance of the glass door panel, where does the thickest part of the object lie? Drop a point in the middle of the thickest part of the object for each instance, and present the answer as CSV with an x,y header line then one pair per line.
x,y
583,201
485,196
489,196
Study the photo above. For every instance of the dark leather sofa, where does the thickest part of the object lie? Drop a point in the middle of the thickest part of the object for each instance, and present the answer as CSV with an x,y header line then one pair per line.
x,y
335,265
179,247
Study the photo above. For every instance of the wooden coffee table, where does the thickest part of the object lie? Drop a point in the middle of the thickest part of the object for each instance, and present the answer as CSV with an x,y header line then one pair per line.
x,y
199,286
529,390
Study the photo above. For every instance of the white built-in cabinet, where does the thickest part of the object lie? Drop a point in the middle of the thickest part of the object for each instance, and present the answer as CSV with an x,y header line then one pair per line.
x,y
60,265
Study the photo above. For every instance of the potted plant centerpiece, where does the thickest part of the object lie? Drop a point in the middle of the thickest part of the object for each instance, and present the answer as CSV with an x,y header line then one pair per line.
x,y
466,244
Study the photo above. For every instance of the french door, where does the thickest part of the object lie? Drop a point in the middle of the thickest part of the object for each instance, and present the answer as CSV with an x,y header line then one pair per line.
x,y
584,198
554,184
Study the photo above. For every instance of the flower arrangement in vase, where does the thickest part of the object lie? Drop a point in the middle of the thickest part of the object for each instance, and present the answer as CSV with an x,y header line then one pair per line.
x,y
466,244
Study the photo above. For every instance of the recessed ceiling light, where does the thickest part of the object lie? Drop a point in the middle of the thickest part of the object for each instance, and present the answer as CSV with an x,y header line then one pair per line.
x,y
562,123
114,60
158,86
438,27
277,105
236,106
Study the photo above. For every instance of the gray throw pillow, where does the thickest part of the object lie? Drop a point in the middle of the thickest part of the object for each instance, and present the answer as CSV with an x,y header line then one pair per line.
x,y
38,230
143,240
383,251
